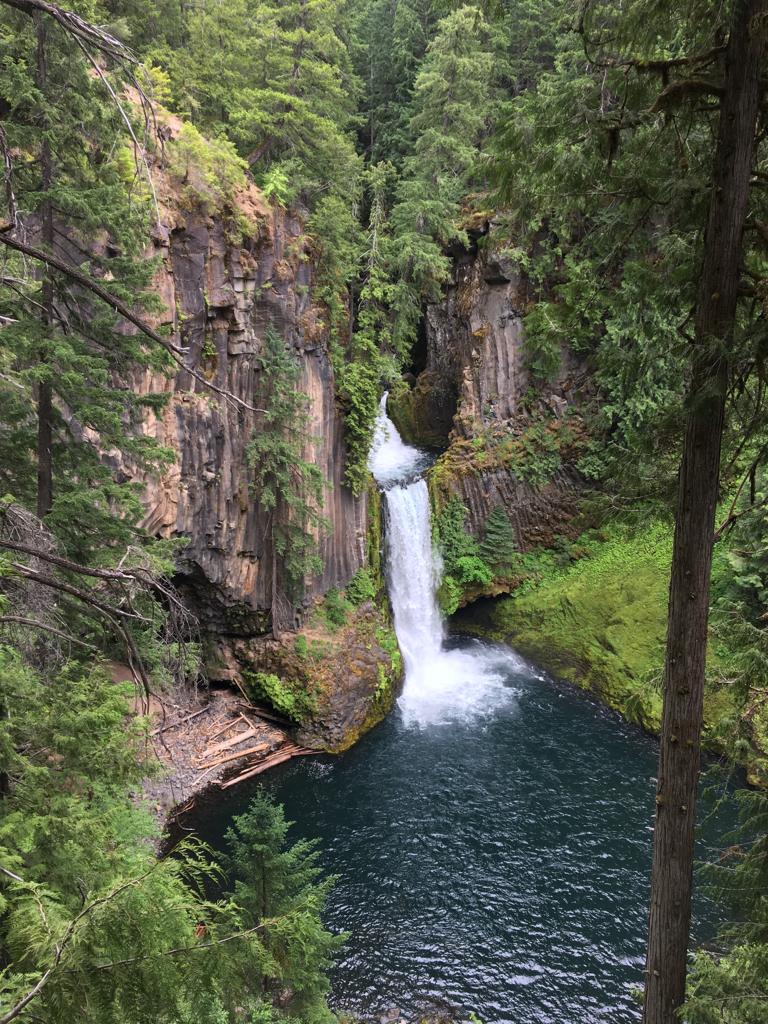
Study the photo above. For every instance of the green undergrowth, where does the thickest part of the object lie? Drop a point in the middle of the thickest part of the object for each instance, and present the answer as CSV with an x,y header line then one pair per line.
x,y
336,607
293,698
599,620
593,612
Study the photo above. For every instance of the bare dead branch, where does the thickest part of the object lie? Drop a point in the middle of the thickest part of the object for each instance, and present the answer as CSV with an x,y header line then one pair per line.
x,y
77,27
47,628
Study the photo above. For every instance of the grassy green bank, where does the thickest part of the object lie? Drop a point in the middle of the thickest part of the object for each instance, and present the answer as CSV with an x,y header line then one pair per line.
x,y
594,613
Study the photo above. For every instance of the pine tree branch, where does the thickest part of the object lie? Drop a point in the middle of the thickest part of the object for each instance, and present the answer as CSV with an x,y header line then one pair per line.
x,y
67,937
111,613
175,351
175,952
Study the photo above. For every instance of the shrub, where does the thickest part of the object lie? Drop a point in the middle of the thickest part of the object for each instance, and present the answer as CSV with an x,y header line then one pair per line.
x,y
361,587
336,607
288,696
210,170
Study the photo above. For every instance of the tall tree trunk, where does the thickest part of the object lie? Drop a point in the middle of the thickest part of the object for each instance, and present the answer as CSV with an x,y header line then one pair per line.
x,y
672,874
44,390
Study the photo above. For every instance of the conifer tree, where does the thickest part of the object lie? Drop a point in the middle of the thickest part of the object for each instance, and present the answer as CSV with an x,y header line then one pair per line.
x,y
499,543
731,985
278,886
450,109
66,360
287,484
651,286
392,38
277,78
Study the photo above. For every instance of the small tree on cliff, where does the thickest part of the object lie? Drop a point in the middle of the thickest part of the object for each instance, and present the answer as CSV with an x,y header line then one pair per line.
x,y
288,487
499,544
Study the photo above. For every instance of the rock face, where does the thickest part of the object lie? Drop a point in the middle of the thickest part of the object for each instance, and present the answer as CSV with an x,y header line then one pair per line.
x,y
222,287
473,398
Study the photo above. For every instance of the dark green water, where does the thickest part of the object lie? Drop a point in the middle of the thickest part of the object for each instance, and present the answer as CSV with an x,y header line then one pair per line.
x,y
496,864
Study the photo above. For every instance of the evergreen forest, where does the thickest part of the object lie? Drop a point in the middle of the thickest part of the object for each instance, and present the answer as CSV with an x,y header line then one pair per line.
x,y
343,342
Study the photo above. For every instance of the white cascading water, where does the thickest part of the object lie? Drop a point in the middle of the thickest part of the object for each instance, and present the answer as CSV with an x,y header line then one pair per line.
x,y
440,684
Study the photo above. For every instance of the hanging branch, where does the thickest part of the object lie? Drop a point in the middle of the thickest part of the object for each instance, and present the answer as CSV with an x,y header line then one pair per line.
x,y
138,148
659,65
46,628
176,352
61,946
111,599
77,27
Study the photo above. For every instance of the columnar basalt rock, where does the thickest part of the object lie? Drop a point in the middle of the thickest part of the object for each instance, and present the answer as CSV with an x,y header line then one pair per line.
x,y
222,286
472,396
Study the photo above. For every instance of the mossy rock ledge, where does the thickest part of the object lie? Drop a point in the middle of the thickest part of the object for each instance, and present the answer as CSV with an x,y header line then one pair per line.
x,y
351,673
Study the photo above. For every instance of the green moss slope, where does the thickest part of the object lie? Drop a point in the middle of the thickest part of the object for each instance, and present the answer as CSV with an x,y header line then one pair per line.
x,y
600,623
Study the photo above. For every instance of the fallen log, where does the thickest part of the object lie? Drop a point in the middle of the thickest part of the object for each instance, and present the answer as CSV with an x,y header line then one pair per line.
x,y
226,744
237,754
225,727
181,721
269,715
279,757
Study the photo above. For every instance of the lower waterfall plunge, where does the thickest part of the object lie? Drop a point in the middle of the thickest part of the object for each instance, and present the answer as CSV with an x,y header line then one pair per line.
x,y
490,838
440,684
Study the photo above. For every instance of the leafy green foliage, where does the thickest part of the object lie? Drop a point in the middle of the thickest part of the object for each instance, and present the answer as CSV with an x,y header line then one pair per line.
x,y
209,170
450,105
291,697
335,608
276,78
57,336
733,988
361,588
137,939
463,565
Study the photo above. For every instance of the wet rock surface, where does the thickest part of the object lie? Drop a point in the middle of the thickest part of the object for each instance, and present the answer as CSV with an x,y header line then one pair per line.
x,y
472,399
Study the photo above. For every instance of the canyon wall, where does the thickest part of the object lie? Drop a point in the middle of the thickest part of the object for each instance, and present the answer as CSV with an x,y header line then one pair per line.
x,y
223,282
476,399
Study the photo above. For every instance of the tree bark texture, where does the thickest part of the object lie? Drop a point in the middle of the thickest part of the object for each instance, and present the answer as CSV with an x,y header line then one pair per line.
x,y
44,389
698,486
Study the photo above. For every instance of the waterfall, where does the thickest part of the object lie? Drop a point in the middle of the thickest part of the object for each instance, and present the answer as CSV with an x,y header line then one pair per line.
x,y
440,684
413,574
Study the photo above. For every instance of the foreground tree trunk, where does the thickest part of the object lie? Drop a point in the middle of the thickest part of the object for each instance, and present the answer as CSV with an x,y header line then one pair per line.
x,y
44,389
672,874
